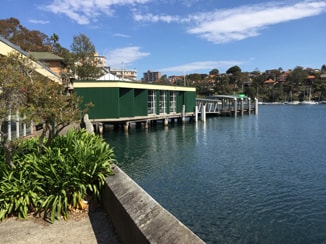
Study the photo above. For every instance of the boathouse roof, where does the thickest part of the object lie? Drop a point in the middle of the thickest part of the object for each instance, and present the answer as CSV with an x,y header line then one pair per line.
x,y
132,85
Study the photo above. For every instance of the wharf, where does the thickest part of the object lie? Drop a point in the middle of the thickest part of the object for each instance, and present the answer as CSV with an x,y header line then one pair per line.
x,y
214,106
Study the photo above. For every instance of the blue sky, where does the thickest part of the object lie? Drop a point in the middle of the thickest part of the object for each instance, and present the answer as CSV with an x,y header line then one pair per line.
x,y
179,37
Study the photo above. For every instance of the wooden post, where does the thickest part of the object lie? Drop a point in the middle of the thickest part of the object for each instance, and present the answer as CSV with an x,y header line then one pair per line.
x,y
126,126
249,106
242,106
203,113
183,113
256,106
166,122
235,107
100,128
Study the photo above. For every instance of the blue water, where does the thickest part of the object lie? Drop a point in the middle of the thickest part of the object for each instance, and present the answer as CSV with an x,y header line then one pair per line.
x,y
252,179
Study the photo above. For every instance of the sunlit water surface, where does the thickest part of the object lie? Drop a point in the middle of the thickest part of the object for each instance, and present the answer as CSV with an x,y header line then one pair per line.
x,y
252,179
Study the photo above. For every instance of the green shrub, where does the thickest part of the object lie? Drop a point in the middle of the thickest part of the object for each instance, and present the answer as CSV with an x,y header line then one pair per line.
x,y
74,166
20,193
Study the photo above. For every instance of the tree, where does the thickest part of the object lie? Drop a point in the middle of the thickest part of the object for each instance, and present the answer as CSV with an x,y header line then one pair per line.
x,y
214,72
28,40
323,69
38,98
163,80
85,58
14,76
54,38
298,75
234,70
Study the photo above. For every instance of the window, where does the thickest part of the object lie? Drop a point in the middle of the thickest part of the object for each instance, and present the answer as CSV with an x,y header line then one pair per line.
x,y
173,102
162,102
151,108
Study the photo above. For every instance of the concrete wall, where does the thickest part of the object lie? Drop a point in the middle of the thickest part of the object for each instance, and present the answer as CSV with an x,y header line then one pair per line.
x,y
137,217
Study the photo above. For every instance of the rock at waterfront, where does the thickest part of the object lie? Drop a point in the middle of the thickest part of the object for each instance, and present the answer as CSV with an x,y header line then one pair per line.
x,y
86,124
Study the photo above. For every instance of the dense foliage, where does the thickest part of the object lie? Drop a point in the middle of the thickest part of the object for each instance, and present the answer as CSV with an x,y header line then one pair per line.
x,y
84,54
35,97
270,86
53,181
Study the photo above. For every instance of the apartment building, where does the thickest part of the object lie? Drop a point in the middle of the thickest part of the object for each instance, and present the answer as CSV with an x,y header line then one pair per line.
x,y
151,76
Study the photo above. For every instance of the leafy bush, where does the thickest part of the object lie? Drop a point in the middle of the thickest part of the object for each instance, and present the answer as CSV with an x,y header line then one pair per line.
x,y
75,166
19,192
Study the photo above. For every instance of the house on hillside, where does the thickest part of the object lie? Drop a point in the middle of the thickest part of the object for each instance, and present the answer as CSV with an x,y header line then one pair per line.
x,y
270,82
323,77
283,77
54,62
6,48
309,79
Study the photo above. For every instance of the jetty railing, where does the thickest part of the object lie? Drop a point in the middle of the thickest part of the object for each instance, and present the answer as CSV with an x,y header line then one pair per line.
x,y
224,105
15,126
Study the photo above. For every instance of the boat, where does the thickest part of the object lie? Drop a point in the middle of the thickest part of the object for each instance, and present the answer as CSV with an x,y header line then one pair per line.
x,y
309,101
293,103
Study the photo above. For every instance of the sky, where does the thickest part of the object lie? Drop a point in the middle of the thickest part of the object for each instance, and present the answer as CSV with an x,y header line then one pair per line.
x,y
178,37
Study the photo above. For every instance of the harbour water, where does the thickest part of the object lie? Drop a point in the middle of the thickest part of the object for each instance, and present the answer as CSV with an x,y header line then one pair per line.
x,y
252,179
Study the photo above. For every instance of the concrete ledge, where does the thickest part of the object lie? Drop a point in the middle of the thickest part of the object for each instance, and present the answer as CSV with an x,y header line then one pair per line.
x,y
137,217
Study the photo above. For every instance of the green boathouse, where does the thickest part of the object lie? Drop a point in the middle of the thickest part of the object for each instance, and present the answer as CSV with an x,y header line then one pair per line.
x,y
120,102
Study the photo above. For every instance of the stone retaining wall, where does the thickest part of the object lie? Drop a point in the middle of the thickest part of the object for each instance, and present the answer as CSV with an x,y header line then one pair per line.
x,y
137,217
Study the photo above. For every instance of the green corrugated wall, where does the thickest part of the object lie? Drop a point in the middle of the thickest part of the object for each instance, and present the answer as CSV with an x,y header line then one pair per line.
x,y
190,101
180,101
105,100
126,101
140,102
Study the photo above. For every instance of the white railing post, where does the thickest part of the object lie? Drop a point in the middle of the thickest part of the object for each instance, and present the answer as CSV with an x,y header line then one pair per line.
x,y
183,113
256,106
203,113
235,107
24,125
9,126
17,124
196,113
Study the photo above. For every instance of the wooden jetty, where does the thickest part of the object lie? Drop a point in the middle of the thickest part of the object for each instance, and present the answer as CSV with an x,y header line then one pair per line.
x,y
226,105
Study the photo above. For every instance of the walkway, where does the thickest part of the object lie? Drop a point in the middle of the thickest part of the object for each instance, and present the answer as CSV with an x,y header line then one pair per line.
x,y
93,227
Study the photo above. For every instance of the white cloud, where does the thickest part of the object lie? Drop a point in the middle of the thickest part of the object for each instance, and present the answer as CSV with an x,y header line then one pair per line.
x,y
126,55
34,21
121,35
157,18
240,23
86,11
201,66
189,3
221,26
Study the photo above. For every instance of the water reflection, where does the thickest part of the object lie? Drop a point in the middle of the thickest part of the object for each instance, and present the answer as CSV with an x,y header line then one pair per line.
x,y
251,179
